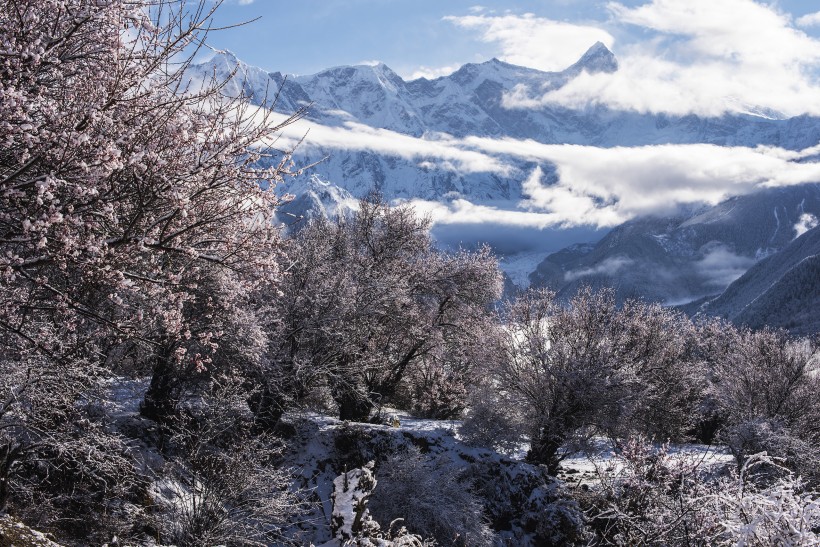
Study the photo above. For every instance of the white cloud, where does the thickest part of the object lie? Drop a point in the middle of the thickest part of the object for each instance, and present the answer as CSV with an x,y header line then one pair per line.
x,y
595,186
809,20
720,266
609,266
433,73
740,31
533,41
805,223
607,186
245,2
462,211
355,136
694,56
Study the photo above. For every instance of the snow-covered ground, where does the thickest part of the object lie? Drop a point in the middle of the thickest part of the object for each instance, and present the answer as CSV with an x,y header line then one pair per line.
x,y
587,468
325,447
320,448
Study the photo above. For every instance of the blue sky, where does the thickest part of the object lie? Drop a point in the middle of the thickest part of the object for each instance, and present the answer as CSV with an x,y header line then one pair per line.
x,y
413,36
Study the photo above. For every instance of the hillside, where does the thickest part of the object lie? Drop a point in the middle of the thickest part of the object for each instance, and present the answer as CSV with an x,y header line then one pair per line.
x,y
679,259
782,290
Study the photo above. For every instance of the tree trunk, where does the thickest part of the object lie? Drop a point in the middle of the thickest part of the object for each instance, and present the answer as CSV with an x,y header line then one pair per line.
x,y
9,455
544,451
162,396
267,408
353,406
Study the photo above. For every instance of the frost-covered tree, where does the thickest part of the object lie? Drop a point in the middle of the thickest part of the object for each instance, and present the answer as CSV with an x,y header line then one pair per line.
x,y
589,366
768,375
367,299
121,187
766,391
666,394
131,219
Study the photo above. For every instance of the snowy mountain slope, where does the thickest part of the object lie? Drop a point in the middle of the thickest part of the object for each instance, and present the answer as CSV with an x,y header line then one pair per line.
x,y
782,290
674,260
470,103
401,127
313,198
791,303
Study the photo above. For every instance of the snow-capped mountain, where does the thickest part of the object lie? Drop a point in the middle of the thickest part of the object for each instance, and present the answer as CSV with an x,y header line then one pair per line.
x,y
432,140
471,103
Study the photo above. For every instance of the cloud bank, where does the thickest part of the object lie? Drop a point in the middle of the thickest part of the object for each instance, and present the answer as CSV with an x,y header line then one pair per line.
x,y
720,266
573,185
609,266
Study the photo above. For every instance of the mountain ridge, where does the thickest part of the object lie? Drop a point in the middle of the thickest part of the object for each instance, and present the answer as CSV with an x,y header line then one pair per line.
x,y
470,103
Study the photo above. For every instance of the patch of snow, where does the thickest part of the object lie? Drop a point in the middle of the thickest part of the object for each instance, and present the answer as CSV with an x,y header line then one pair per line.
x,y
519,266
125,395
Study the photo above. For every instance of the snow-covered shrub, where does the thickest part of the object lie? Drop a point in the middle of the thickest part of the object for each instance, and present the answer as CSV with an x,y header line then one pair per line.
x,y
737,512
222,483
431,497
649,496
525,505
646,497
774,439
60,459
440,386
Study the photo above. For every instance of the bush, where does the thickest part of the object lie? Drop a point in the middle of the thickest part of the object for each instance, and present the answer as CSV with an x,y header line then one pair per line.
x,y
432,498
223,483
777,441
649,497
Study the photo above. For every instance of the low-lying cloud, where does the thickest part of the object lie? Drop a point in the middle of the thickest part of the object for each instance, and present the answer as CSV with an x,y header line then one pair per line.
x,y
573,185
607,186
609,266
720,266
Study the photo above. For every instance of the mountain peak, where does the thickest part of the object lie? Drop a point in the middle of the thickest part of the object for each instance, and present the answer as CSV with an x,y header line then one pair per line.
x,y
597,58
226,54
